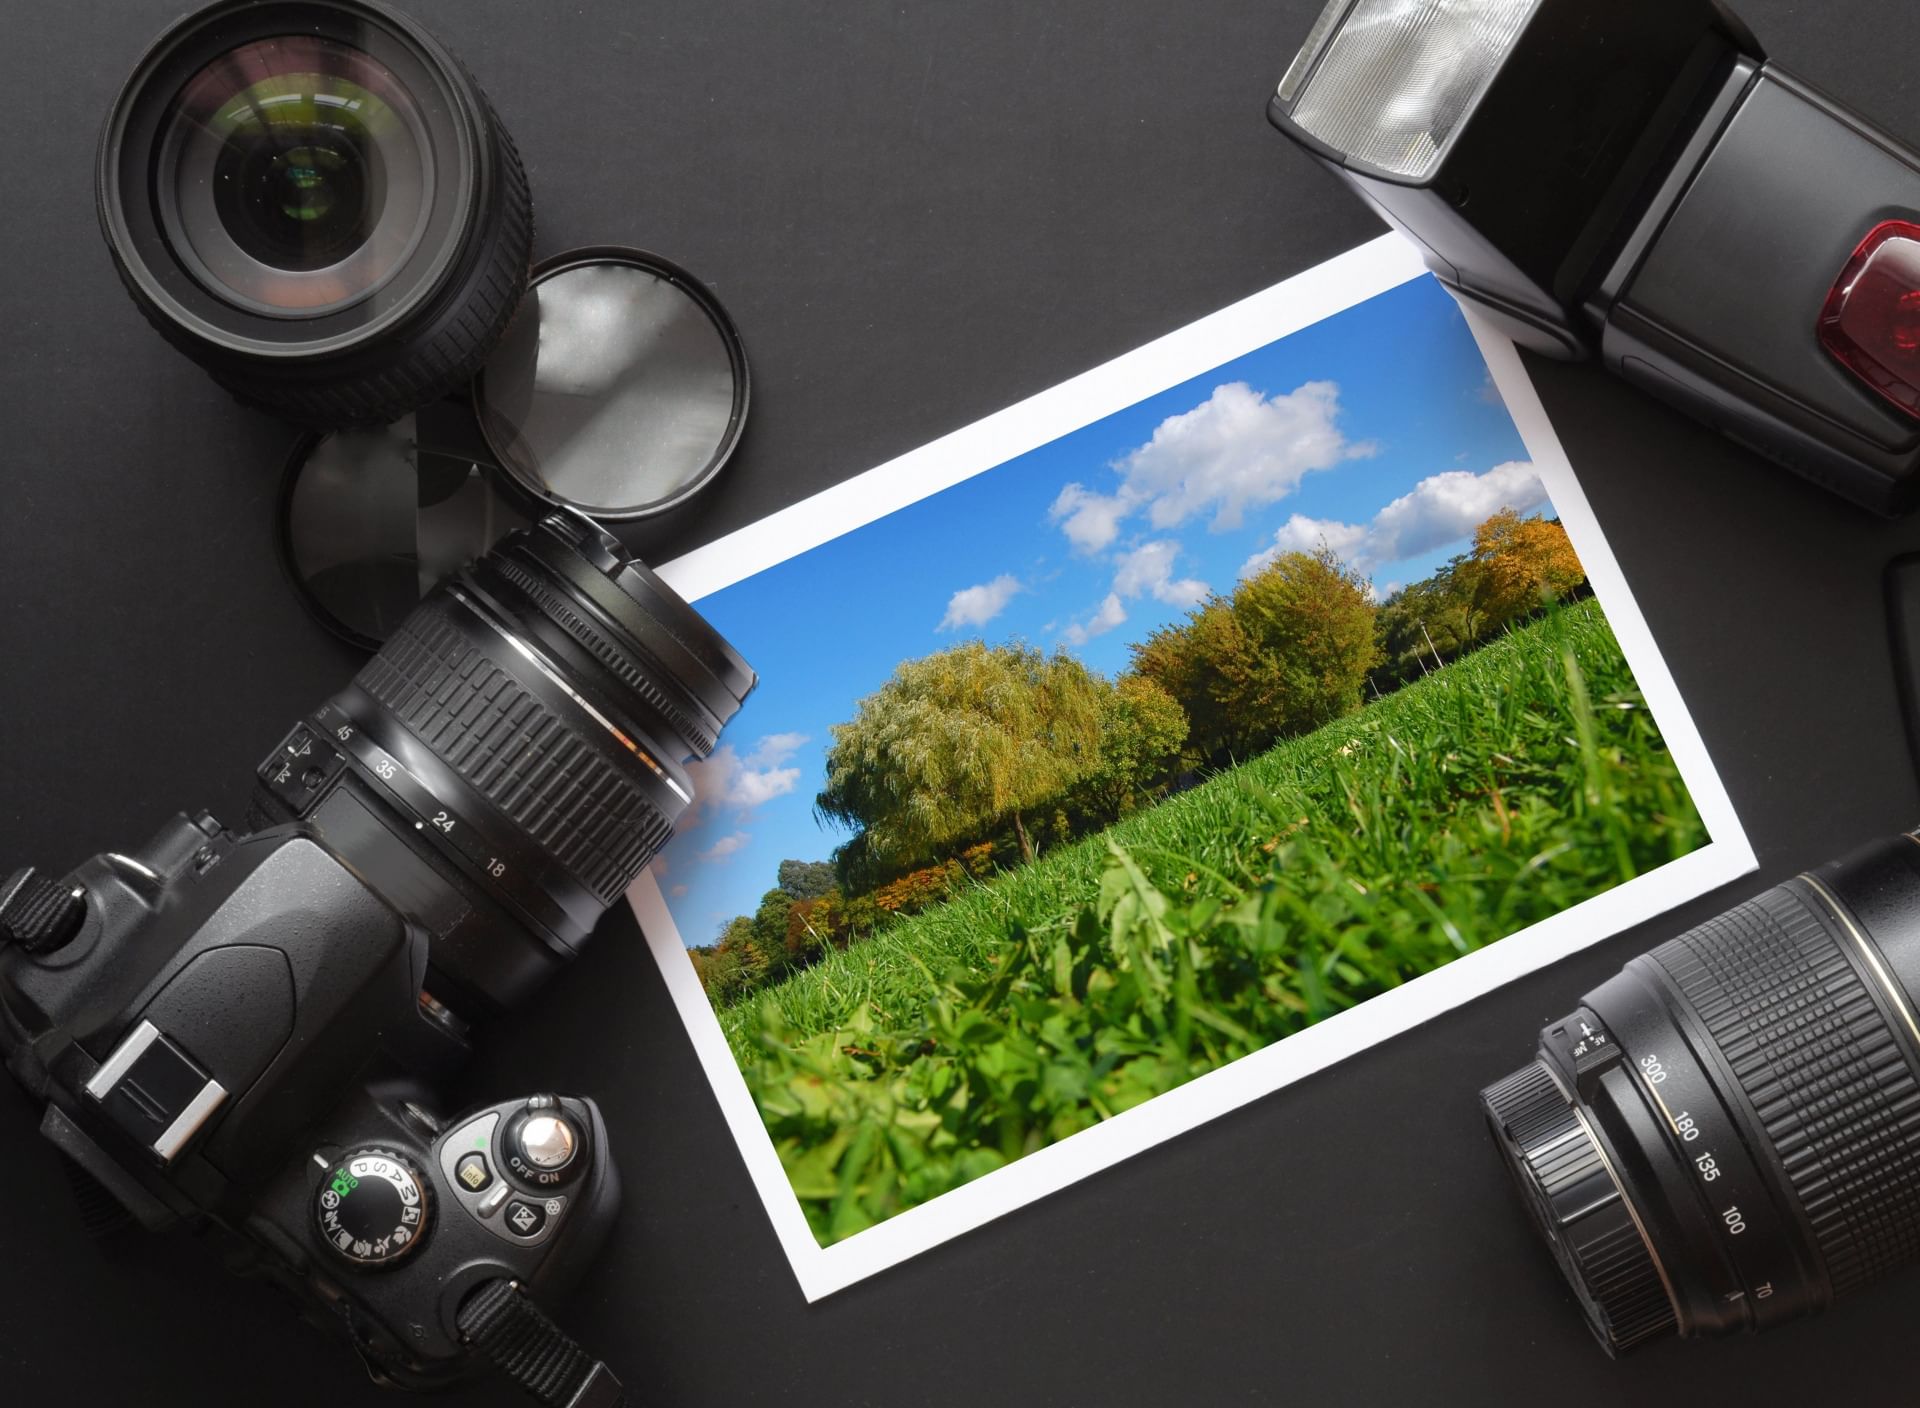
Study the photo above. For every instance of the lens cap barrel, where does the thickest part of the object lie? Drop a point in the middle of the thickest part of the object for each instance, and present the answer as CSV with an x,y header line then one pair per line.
x,y
1569,1186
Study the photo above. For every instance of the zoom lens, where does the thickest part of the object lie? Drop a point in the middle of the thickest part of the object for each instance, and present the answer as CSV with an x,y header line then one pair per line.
x,y
1726,1136
313,199
513,757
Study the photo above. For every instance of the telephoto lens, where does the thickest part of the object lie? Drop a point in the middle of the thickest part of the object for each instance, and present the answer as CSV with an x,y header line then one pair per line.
x,y
1726,1136
315,201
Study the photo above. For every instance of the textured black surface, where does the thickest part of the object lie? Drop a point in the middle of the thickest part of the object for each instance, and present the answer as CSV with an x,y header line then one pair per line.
x,y
38,912
918,213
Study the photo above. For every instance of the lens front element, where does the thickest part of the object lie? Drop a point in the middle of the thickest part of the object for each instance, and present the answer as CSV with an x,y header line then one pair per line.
x,y
314,200
294,175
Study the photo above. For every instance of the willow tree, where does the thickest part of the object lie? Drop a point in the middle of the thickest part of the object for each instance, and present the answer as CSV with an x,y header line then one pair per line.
x,y
958,744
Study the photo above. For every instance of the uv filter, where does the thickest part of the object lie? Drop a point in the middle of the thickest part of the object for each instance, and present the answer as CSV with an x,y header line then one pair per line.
x,y
370,520
621,388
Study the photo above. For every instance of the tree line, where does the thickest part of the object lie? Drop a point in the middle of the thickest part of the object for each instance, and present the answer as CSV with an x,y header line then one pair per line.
x,y
978,757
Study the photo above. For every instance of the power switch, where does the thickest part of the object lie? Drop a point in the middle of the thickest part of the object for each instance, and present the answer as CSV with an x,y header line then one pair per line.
x,y
544,1143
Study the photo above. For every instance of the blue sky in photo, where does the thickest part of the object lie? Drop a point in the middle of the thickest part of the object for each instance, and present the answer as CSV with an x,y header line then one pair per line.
x,y
1377,431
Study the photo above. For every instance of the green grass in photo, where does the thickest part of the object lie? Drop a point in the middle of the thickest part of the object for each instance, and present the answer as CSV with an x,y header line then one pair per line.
x,y
1508,787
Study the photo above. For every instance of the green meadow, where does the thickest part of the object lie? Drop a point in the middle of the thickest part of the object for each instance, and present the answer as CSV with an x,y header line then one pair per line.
x,y
1509,786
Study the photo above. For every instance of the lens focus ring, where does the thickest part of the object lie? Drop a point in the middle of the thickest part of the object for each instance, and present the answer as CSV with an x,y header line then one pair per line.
x,y
565,794
646,678
1826,1075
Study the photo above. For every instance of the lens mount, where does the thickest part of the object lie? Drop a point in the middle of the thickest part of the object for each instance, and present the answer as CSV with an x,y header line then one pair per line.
x,y
1577,1203
313,199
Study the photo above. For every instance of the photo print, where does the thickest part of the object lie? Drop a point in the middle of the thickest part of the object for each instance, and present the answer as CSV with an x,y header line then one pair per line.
x,y
1151,744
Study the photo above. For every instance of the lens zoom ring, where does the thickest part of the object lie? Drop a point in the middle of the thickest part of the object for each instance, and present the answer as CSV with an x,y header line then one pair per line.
x,y
1827,1076
566,796
620,662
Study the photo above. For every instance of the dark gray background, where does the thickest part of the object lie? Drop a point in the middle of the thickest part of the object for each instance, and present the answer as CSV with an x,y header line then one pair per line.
x,y
918,213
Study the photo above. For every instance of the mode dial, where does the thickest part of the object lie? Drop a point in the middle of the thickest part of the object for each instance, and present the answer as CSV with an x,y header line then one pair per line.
x,y
371,1207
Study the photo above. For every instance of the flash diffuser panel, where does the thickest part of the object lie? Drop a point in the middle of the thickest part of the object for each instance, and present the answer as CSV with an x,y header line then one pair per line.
x,y
1435,58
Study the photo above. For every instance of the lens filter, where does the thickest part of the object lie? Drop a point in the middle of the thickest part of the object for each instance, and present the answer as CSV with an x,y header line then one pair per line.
x,y
619,391
372,519
621,388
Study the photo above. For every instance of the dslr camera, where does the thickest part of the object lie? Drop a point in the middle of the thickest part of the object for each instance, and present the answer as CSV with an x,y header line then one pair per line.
x,y
249,1027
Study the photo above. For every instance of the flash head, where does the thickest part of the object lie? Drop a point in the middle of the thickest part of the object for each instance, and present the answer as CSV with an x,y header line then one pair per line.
x,y
1508,137
1635,180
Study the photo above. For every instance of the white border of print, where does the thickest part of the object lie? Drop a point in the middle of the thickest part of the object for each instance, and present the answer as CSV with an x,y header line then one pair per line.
x,y
1192,351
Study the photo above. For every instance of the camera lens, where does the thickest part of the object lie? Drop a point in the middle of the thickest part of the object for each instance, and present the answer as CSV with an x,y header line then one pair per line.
x,y
294,175
314,200
526,728
1726,1136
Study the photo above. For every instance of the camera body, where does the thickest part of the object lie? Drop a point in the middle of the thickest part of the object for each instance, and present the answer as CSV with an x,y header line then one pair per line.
x,y
252,1028
235,1032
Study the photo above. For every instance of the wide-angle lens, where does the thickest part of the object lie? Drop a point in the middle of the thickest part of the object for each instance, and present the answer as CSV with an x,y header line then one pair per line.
x,y
314,200
1726,1136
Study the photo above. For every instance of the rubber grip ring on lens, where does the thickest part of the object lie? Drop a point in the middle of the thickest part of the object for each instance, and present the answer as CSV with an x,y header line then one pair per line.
x,y
563,793
1826,1076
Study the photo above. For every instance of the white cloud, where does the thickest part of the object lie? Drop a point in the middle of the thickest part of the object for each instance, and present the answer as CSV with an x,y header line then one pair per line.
x,y
678,891
1448,507
1148,571
727,845
774,749
755,787
1299,533
1091,521
1112,613
727,781
1442,509
975,606
1239,449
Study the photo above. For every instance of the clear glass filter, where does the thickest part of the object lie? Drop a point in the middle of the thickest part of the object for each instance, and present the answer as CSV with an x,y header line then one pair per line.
x,y
371,520
621,388
1399,77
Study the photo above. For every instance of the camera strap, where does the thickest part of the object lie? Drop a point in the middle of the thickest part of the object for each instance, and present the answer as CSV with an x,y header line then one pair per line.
x,y
503,1323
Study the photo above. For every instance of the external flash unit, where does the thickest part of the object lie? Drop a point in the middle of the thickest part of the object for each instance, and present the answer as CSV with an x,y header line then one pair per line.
x,y
1634,179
